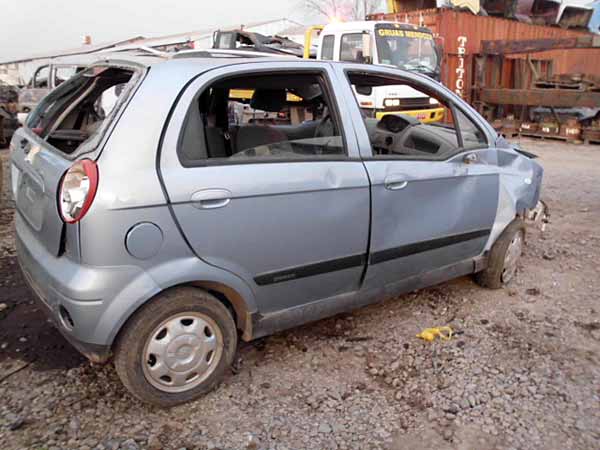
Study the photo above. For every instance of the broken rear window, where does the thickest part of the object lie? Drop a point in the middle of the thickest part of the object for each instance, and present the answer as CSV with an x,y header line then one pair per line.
x,y
76,112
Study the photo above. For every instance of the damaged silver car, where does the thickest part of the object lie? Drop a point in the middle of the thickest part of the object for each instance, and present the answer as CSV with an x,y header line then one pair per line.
x,y
168,208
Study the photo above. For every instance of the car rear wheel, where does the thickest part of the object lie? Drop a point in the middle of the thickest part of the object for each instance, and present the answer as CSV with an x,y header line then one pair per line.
x,y
504,257
176,348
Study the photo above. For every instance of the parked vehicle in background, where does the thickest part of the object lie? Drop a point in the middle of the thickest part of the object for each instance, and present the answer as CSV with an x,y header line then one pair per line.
x,y
47,78
401,45
159,238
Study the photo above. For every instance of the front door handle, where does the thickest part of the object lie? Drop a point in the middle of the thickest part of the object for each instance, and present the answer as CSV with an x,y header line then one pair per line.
x,y
211,198
395,183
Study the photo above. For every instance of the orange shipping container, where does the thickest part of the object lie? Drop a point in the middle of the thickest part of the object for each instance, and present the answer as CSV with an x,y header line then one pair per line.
x,y
462,33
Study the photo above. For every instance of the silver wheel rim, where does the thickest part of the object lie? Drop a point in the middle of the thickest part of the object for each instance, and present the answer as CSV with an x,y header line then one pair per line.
x,y
513,253
182,352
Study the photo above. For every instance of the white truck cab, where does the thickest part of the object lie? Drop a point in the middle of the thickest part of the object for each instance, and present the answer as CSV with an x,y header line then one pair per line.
x,y
401,45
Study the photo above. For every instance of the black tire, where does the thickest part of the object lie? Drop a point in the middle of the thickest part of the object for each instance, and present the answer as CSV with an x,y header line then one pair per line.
x,y
137,332
493,275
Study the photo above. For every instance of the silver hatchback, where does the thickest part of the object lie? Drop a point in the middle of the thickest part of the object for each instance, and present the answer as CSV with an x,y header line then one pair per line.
x,y
167,207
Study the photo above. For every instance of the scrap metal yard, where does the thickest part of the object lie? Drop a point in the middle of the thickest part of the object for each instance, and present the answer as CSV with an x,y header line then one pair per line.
x,y
523,371
330,224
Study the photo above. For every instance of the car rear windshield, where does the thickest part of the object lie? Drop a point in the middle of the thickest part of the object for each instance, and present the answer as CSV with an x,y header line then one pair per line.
x,y
76,112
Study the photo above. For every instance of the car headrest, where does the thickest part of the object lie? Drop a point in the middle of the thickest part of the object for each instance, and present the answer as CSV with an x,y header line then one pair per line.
x,y
271,100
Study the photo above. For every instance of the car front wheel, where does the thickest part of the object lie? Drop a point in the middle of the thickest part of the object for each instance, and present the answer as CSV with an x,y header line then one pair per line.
x,y
504,257
176,348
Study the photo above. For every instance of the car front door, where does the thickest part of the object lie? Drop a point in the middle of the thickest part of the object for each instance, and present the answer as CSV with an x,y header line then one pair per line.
x,y
294,227
428,213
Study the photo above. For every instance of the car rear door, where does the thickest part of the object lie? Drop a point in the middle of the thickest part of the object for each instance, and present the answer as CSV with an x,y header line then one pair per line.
x,y
426,214
295,230
36,172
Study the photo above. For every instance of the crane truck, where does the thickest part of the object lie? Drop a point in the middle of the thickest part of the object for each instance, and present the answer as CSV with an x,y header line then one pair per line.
x,y
403,45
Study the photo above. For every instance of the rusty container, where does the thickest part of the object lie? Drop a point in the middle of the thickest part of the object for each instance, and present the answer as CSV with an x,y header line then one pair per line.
x,y
462,33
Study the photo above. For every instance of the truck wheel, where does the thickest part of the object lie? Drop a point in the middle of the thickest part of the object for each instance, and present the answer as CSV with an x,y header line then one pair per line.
x,y
504,257
176,348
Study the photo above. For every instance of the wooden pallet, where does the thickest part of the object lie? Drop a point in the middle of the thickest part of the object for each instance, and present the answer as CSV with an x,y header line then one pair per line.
x,y
555,137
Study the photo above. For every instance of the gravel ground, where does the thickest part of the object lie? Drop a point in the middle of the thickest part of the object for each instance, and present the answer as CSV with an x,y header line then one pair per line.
x,y
523,372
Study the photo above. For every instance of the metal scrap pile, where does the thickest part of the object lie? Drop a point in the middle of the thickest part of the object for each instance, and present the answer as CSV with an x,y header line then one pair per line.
x,y
537,102
579,14
573,124
583,14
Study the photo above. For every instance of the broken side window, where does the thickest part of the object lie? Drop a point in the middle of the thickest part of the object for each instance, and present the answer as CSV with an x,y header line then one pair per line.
x,y
77,110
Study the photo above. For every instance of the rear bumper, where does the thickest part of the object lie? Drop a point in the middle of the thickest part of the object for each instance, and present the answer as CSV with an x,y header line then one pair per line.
x,y
98,354
84,292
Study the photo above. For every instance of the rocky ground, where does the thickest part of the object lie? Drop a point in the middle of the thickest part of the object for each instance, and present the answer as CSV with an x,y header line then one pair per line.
x,y
523,371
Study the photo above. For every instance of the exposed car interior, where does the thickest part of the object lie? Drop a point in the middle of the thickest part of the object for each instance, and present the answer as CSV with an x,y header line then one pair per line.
x,y
73,113
268,116
405,135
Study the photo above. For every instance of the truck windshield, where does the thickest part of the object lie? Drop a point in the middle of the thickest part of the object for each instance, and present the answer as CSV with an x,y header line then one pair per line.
x,y
407,49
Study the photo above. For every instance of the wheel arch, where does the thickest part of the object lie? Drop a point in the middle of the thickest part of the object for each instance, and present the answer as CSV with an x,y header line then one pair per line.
x,y
149,286
233,300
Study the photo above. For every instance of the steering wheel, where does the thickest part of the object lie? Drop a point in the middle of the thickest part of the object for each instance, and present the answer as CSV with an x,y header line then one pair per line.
x,y
325,127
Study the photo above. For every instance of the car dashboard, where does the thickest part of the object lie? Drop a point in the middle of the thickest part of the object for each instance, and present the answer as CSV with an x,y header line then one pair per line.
x,y
399,134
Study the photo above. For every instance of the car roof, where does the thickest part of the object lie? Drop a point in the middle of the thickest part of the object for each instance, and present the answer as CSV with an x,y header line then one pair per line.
x,y
194,63
198,59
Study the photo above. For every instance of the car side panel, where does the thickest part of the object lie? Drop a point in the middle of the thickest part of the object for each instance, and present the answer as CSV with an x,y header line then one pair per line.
x,y
282,220
441,214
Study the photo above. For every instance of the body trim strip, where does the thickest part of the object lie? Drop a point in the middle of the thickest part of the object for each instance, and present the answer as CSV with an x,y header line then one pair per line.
x,y
424,246
309,270
348,262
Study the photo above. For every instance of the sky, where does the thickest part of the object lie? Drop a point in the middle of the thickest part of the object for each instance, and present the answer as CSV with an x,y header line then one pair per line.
x,y
34,26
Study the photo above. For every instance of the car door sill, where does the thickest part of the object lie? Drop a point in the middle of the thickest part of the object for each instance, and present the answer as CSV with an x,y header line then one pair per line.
x,y
273,322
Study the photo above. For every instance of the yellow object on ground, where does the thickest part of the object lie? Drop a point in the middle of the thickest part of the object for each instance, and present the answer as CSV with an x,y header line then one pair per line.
x,y
429,334
424,115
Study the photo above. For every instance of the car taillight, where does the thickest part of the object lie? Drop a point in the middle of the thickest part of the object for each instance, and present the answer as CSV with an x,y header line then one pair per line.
x,y
77,190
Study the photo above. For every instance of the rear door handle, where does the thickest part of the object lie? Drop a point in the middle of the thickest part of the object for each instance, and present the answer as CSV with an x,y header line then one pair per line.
x,y
211,198
395,183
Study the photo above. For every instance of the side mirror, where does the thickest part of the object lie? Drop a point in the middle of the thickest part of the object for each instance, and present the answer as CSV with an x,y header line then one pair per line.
x,y
367,54
364,90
